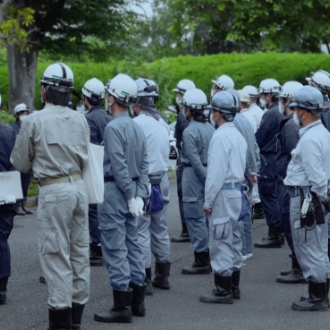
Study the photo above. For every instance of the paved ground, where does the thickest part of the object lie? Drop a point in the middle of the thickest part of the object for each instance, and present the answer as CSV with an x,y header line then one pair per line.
x,y
265,304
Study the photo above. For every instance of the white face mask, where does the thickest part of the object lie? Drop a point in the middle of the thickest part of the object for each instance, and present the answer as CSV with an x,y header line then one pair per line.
x,y
296,120
263,103
281,108
22,118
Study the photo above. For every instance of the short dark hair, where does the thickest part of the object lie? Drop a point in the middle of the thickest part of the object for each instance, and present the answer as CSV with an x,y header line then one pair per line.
x,y
199,116
93,101
54,97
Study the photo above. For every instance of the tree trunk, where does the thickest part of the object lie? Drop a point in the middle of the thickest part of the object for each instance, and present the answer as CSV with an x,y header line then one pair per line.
x,y
22,67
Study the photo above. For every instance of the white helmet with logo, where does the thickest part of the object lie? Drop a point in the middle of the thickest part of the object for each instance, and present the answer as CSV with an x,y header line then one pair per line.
x,y
195,99
270,86
59,76
224,82
251,90
94,89
123,88
20,107
321,80
244,96
146,88
290,88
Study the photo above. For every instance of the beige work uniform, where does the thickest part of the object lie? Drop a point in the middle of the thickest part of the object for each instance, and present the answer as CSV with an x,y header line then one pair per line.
x,y
53,144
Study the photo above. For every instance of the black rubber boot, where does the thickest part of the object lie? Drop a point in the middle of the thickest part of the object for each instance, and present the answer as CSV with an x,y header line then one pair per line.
x,y
258,212
201,265
305,296
60,319
77,312
138,306
3,290
184,237
316,300
25,209
273,240
235,284
162,272
149,289
96,257
293,276
121,311
222,294
18,208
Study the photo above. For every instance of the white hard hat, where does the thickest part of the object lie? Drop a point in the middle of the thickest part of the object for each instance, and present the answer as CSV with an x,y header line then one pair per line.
x,y
225,102
183,86
146,88
289,88
244,96
94,89
269,86
20,107
251,90
320,80
195,99
58,75
122,87
224,82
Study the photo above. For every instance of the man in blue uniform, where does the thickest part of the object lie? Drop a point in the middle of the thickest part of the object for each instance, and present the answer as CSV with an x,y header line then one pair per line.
x,y
7,140
126,184
97,119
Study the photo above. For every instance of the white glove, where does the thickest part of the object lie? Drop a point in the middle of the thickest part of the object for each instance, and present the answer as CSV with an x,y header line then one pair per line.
x,y
132,207
139,206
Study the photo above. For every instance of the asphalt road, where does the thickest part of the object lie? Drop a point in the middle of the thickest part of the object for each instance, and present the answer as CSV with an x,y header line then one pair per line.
x,y
264,303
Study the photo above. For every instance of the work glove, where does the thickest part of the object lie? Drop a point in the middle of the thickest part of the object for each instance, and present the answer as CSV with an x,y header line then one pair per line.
x,y
139,206
132,207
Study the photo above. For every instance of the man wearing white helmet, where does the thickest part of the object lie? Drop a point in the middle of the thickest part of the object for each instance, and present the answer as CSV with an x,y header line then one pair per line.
x,y
287,140
97,119
267,182
196,139
223,199
181,124
153,233
126,185
21,112
221,83
253,108
244,105
307,179
53,144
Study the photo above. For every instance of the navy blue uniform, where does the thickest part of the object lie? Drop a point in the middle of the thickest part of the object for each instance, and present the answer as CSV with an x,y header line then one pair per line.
x,y
287,140
266,139
7,140
97,120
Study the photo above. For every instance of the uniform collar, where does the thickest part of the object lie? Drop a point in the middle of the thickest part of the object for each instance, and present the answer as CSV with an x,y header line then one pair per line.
x,y
121,114
228,124
303,130
94,107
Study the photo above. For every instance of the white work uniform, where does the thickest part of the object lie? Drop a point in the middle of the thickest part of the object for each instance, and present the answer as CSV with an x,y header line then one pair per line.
x,y
310,168
254,114
53,144
226,165
152,228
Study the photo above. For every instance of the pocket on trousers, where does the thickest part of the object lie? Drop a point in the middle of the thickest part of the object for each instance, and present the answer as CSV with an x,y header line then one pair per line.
x,y
56,198
191,207
109,235
231,193
47,238
221,230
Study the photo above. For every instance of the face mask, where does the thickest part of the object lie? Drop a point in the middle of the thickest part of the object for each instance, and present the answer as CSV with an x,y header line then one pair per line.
x,y
263,103
281,108
297,120
22,118
178,100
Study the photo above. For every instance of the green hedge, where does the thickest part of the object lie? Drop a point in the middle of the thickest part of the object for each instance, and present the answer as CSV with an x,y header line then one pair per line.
x,y
243,68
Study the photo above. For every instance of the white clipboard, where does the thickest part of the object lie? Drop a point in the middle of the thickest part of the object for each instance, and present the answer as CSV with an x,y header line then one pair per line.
x,y
10,185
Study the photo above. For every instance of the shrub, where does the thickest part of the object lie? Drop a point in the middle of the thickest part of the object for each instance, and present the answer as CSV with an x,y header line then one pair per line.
x,y
6,118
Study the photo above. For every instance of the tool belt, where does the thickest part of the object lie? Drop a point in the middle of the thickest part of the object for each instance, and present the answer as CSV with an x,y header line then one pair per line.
x,y
112,179
155,179
69,178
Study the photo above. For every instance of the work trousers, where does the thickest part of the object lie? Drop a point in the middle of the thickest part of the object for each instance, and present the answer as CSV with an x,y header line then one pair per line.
x,y
247,233
63,242
25,180
152,230
311,246
6,226
119,239
94,230
179,173
225,233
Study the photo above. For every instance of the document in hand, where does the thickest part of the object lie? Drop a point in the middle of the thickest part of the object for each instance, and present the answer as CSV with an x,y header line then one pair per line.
x,y
10,187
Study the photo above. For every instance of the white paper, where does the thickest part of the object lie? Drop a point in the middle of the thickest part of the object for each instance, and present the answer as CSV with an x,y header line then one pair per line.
x,y
10,185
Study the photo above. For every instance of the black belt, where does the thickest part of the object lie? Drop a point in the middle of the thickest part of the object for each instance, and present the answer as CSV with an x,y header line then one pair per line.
x,y
189,165
112,179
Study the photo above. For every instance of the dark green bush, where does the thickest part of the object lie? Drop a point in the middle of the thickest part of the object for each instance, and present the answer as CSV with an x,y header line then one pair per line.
x,y
6,118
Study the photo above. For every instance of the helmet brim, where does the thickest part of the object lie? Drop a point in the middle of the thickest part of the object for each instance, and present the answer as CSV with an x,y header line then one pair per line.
x,y
293,104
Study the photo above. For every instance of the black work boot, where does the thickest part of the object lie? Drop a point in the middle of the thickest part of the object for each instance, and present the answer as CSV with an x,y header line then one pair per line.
x,y
77,312
96,257
60,319
3,290
273,240
138,306
25,209
293,276
18,208
316,300
235,284
121,311
184,236
222,294
149,289
258,212
201,265
162,272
